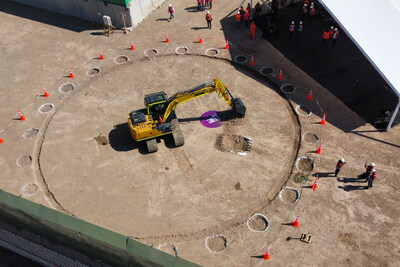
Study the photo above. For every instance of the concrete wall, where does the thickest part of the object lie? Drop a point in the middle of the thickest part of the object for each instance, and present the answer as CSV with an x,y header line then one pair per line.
x,y
93,10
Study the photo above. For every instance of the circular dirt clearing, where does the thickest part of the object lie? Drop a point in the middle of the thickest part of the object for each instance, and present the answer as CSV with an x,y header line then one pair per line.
x,y
46,108
240,59
305,164
303,110
66,88
216,244
151,52
93,72
121,59
310,138
265,71
212,52
181,50
30,133
289,195
288,88
258,223
29,190
24,160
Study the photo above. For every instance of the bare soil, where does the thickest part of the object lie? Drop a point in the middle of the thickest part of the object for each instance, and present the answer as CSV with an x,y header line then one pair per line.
x,y
217,243
258,223
289,195
310,138
305,164
24,160
232,143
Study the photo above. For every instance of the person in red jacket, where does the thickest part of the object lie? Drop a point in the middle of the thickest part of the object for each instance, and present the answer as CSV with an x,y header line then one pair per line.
x,y
253,30
247,18
238,19
371,178
325,37
208,19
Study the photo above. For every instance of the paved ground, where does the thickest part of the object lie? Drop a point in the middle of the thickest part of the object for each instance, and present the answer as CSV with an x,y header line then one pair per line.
x,y
201,204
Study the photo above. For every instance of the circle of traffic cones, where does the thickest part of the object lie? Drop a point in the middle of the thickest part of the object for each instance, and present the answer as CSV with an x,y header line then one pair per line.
x,y
101,55
323,121
319,149
132,47
1,141
70,73
267,257
296,222
45,93
166,38
252,61
280,75
227,45
309,97
314,185
200,40
21,117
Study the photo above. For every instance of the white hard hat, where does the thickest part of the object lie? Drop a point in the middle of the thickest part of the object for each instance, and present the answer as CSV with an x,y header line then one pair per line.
x,y
373,170
292,22
300,22
372,164
305,4
341,160
238,12
169,5
208,12
335,29
331,27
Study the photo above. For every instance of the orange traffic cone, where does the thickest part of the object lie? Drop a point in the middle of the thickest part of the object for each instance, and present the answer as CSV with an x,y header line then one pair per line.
x,y
101,55
45,93
280,75
296,222
319,149
1,141
309,97
70,73
252,61
132,47
21,117
315,186
267,257
227,45
323,121
200,40
166,38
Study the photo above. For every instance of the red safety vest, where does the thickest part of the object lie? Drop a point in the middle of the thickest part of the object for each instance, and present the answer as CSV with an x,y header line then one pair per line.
x,y
305,10
372,177
208,17
241,11
247,16
339,165
292,27
325,35
171,9
331,33
312,11
369,169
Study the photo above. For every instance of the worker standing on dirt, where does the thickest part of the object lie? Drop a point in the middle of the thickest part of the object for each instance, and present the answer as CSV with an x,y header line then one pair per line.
x,y
339,166
368,169
208,19
241,10
171,12
371,178
253,30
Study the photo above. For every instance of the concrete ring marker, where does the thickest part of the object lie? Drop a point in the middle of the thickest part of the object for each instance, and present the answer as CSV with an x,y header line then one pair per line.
x,y
253,217
266,71
29,190
30,133
210,119
285,196
241,59
93,72
304,164
151,52
181,50
288,88
121,59
209,52
310,138
216,243
66,88
303,110
24,160
46,108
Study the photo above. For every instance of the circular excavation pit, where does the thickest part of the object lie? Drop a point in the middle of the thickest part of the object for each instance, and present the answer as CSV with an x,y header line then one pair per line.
x,y
303,110
305,164
46,108
121,59
289,195
93,72
152,52
216,243
30,133
29,190
212,52
24,160
234,143
310,138
66,88
181,50
258,223
241,59
266,71
288,88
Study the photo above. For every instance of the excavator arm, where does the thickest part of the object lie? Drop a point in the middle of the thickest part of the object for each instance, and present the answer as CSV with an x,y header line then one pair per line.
x,y
214,86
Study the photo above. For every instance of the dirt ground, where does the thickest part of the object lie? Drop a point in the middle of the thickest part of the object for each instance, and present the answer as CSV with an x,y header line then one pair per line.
x,y
196,201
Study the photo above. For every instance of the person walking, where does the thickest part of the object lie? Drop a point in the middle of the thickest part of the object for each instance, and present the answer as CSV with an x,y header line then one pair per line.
x,y
253,30
368,169
292,27
299,30
371,178
335,36
208,19
241,10
203,5
238,19
247,18
171,12
258,9
331,31
210,1
339,166
312,12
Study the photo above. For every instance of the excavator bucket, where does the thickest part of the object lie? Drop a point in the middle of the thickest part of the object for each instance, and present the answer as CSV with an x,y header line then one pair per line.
x,y
239,107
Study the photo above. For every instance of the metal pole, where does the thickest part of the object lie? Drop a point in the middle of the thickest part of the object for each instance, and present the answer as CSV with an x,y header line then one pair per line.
x,y
394,114
251,12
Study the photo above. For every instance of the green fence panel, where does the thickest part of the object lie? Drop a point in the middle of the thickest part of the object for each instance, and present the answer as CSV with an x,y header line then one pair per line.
x,y
117,2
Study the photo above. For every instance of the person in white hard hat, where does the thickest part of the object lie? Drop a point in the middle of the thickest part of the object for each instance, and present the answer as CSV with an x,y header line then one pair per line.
x,y
368,169
292,27
371,178
299,30
339,166
171,12
335,36
208,19
304,11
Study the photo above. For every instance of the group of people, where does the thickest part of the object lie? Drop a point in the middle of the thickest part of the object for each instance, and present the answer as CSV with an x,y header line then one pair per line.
x,y
331,34
370,172
202,4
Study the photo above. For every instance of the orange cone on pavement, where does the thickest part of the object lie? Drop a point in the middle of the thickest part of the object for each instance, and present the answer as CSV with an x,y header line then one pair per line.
x,y
315,186
21,117
200,39
101,55
296,222
45,93
309,97
252,61
1,141
70,73
319,149
267,257
280,75
227,45
132,47
323,121
166,38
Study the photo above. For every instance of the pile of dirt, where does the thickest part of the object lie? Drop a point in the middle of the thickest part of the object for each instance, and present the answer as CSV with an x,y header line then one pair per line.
x,y
233,143
101,139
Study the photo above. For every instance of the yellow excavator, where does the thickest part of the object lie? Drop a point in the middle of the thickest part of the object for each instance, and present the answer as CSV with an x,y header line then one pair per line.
x,y
158,118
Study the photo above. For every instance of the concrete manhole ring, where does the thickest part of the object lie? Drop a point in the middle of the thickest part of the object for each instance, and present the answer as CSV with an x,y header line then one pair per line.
x,y
212,52
303,110
151,52
304,164
258,223
241,59
29,190
310,138
66,88
121,59
93,72
181,50
168,248
216,243
23,160
266,71
30,133
289,195
46,108
288,88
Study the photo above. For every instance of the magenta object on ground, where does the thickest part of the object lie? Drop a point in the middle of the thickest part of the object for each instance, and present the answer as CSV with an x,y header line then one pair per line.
x,y
210,119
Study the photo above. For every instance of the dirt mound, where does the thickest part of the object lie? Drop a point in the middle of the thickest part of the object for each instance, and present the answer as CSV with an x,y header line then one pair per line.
x,y
233,143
